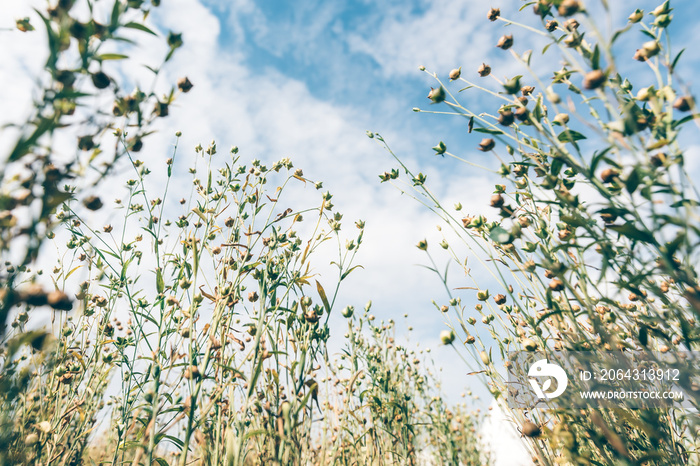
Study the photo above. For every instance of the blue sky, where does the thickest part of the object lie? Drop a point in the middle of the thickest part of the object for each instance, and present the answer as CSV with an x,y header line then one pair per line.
x,y
306,79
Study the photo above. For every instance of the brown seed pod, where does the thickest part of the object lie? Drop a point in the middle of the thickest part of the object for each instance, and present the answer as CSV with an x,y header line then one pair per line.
x,y
506,118
92,203
551,25
556,285
497,201
59,300
522,114
499,299
85,143
569,7
100,80
530,429
608,175
487,144
571,24
505,42
494,13
184,84
484,70
594,79
684,103
455,74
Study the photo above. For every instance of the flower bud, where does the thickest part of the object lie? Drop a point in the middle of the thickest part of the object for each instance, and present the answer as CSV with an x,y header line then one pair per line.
x,y
482,295
512,86
423,245
662,9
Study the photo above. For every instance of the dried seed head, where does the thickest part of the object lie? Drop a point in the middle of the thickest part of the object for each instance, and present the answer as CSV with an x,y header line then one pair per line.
x,y
527,90
493,14
608,175
594,79
184,84
542,8
684,103
499,299
551,25
530,429
437,95
505,42
651,48
569,7
470,340
253,296
484,70
456,73
487,144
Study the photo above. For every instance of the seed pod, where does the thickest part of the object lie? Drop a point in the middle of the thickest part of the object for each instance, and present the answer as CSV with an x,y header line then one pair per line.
x,y
85,143
347,311
456,73
487,144
497,201
530,429
571,24
493,14
506,118
684,103
59,300
522,114
505,42
556,285
92,203
608,175
447,337
437,95
100,80
484,70
561,118
636,16
594,79
551,25
184,84
499,299
470,340
529,344
569,7
485,358
161,109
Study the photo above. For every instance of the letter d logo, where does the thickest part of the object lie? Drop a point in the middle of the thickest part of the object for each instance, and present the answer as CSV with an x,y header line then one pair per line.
x,y
543,369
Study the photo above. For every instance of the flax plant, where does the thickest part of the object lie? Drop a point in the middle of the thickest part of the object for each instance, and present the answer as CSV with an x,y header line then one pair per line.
x,y
593,243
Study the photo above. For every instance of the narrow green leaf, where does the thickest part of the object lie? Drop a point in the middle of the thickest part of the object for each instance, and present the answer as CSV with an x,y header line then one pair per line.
x,y
570,135
140,27
324,298
111,56
488,130
633,232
